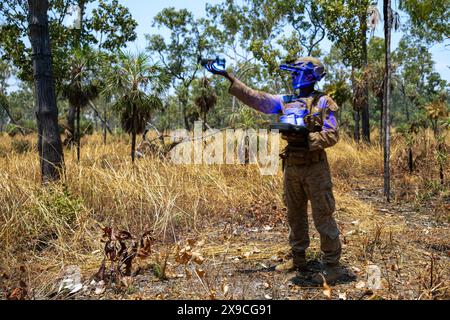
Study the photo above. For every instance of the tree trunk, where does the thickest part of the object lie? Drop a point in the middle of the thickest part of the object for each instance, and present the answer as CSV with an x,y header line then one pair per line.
x,y
78,44
380,105
78,135
441,164
102,119
71,116
410,160
386,98
133,134
356,135
365,118
49,140
104,126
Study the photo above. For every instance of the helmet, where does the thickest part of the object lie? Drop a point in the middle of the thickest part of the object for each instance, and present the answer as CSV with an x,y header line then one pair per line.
x,y
310,70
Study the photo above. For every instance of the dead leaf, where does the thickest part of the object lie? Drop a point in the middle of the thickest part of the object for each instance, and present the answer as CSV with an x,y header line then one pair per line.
x,y
192,242
326,288
200,272
18,294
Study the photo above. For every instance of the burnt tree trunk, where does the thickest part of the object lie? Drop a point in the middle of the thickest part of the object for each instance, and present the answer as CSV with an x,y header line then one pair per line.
x,y
81,4
410,160
386,98
380,105
356,132
49,140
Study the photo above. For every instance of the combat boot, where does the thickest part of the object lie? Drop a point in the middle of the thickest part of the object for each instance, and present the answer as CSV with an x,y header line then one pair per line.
x,y
297,262
332,272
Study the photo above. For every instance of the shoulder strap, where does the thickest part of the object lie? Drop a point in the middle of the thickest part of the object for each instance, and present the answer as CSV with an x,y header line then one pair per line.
x,y
317,95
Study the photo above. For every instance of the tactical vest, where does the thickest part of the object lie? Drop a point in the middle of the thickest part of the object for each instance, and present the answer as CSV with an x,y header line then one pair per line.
x,y
313,120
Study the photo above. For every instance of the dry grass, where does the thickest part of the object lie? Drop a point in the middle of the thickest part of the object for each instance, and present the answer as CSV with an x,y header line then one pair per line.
x,y
46,229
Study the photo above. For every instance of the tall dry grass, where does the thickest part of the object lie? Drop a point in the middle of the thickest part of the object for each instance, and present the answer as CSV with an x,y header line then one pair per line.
x,y
47,228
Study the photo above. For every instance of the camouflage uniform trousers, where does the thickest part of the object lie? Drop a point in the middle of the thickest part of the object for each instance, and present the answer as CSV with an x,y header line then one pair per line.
x,y
311,181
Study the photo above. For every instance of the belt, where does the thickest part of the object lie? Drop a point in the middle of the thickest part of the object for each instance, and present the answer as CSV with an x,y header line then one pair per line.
x,y
302,157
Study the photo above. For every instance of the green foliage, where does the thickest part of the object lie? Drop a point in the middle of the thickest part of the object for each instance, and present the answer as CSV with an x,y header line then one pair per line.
x,y
114,24
429,18
111,22
187,42
59,205
346,22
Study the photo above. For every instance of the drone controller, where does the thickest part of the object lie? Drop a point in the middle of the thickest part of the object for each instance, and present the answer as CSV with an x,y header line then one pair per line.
x,y
292,122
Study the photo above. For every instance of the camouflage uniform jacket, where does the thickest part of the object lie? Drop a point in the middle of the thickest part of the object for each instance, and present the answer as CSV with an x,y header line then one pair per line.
x,y
321,118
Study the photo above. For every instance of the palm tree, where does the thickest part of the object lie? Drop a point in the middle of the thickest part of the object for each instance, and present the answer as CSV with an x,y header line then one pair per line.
x,y
137,87
82,88
205,98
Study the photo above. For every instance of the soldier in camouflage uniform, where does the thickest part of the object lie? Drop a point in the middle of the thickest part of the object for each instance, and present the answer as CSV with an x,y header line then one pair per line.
x,y
305,166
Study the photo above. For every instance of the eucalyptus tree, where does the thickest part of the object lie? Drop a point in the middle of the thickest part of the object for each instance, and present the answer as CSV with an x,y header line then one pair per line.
x,y
137,87
429,19
180,52
108,27
387,10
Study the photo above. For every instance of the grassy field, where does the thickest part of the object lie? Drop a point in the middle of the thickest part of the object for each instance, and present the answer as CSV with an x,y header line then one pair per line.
x,y
232,215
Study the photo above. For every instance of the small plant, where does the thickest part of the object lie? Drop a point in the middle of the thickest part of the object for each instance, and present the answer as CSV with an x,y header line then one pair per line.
x,y
21,146
121,249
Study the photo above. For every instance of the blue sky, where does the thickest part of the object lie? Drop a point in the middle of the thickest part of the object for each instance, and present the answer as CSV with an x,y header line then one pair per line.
x,y
144,11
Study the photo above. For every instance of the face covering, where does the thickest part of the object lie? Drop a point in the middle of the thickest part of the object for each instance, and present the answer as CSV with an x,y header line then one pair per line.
x,y
302,79
303,75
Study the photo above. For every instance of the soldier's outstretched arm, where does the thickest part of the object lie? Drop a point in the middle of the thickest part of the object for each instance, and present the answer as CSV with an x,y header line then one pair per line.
x,y
261,101
329,135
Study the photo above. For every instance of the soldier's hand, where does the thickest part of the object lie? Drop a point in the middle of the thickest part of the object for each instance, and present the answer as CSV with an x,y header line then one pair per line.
x,y
212,67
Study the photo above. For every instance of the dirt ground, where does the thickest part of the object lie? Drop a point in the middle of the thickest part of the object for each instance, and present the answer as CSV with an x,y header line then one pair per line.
x,y
235,258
